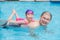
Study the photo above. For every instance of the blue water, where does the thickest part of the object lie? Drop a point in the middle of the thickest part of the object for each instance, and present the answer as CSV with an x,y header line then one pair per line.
x,y
12,33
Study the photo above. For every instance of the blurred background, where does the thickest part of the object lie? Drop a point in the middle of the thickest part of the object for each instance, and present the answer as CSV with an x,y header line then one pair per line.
x,y
29,0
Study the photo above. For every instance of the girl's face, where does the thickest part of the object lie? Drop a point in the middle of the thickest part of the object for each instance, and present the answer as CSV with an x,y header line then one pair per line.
x,y
29,16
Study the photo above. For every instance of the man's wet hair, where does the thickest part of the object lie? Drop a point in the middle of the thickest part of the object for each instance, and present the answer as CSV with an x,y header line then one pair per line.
x,y
47,12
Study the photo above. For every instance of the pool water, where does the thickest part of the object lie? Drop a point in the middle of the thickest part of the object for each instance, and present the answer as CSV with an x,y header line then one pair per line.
x,y
23,33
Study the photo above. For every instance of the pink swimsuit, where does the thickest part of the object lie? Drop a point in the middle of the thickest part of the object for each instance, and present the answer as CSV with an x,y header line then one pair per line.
x,y
21,19
18,19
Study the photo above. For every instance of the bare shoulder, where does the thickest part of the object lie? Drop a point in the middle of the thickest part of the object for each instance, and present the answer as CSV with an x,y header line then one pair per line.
x,y
36,20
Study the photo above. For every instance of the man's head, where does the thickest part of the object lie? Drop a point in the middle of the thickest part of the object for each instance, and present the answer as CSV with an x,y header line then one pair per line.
x,y
29,15
45,18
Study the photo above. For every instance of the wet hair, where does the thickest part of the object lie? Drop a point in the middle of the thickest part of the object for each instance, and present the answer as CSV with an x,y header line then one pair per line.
x,y
47,12
28,11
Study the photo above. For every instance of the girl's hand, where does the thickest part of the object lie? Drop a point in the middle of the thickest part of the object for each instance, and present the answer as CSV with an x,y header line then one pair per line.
x,y
13,11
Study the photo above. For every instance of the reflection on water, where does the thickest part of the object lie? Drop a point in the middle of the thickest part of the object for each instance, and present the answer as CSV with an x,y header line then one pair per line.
x,y
14,33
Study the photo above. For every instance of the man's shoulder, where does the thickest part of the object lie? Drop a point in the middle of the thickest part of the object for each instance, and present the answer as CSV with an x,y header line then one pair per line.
x,y
36,20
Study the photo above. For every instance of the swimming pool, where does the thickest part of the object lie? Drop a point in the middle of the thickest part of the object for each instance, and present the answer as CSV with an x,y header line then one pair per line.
x,y
38,8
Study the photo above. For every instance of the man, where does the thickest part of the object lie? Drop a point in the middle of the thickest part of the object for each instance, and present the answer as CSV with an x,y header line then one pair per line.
x,y
44,19
40,24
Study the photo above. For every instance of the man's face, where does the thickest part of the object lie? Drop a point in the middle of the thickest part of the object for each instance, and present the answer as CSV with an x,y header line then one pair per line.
x,y
45,19
29,16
